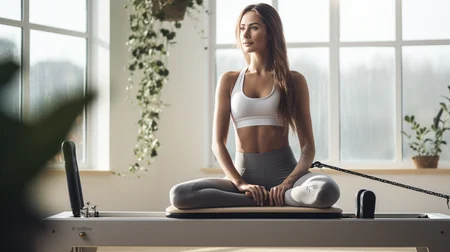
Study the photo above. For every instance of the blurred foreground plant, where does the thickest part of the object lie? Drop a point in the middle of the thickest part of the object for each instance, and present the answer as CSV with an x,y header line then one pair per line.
x,y
24,151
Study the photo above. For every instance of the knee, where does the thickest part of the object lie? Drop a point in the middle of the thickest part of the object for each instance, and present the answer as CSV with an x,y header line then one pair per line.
x,y
180,196
328,194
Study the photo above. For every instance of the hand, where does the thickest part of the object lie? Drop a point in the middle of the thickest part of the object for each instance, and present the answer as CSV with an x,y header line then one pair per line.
x,y
276,193
259,193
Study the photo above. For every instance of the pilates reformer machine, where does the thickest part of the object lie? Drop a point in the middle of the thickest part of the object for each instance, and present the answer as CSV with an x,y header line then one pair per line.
x,y
85,229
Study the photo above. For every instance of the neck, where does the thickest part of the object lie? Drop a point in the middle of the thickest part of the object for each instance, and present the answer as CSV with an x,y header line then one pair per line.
x,y
258,63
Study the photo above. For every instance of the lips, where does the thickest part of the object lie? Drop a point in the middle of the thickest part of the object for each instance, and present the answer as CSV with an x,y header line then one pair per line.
x,y
247,43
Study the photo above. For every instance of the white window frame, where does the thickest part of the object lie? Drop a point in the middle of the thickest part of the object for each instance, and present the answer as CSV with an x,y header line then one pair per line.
x,y
96,126
333,103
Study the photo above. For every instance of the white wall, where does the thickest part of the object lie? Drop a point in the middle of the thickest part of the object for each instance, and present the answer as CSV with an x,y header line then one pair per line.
x,y
182,136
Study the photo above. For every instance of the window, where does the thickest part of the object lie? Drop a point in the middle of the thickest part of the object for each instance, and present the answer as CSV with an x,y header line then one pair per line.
x,y
56,44
368,63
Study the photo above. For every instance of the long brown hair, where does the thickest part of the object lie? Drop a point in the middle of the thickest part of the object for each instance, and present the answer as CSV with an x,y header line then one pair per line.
x,y
278,63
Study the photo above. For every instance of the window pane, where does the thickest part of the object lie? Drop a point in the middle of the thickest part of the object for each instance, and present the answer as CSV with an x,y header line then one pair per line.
x,y
11,9
229,60
426,19
313,63
65,14
11,48
367,20
227,12
426,75
305,20
58,69
367,100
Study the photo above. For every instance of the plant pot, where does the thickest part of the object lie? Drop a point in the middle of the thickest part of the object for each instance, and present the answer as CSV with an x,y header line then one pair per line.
x,y
174,10
425,161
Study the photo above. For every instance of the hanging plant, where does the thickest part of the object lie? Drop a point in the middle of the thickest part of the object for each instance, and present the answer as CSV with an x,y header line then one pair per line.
x,y
153,24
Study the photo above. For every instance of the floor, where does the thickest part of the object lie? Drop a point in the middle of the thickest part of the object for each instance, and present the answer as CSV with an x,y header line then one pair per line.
x,y
231,249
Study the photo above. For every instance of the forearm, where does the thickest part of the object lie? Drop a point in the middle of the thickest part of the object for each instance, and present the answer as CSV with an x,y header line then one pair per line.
x,y
303,165
223,157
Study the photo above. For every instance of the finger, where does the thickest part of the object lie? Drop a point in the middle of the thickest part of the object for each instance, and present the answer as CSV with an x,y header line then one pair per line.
x,y
275,196
258,196
280,197
255,191
253,194
261,195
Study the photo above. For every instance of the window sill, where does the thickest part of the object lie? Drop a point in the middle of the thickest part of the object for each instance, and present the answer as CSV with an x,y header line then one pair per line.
x,y
438,171
81,172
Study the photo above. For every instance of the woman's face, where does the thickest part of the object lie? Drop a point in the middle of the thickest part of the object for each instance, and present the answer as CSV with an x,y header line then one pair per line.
x,y
253,33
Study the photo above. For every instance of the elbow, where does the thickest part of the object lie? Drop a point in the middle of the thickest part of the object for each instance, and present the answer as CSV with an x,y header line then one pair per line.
x,y
214,148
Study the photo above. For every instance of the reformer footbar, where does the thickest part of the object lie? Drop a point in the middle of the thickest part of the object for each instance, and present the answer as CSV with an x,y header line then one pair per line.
x,y
320,165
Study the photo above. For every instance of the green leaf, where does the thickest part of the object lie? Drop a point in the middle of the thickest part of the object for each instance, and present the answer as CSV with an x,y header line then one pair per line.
x,y
7,70
438,118
25,149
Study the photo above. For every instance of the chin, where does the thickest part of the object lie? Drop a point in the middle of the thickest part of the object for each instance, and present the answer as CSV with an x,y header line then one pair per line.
x,y
249,50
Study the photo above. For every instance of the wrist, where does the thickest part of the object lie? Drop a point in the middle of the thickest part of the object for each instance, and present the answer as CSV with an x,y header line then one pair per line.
x,y
238,182
291,179
289,182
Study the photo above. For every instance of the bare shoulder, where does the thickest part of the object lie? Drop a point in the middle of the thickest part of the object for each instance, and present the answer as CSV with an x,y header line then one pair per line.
x,y
299,81
298,78
227,80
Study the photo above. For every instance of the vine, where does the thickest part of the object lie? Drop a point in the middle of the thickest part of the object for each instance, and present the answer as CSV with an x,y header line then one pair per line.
x,y
153,24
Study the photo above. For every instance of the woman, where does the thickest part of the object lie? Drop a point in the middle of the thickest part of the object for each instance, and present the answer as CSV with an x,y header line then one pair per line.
x,y
265,100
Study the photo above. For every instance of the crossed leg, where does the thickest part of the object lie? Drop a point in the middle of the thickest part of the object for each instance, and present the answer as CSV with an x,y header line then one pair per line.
x,y
208,192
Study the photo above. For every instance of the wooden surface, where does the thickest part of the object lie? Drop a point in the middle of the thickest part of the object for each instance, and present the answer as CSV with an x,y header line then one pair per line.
x,y
268,209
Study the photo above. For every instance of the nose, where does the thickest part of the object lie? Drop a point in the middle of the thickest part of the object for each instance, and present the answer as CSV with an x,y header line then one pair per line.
x,y
246,34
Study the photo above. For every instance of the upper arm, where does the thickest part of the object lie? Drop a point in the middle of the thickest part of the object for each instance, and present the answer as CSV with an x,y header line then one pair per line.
x,y
222,107
303,116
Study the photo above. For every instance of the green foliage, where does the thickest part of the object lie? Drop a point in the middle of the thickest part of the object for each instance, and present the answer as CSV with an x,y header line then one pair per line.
x,y
423,144
151,35
26,148
24,151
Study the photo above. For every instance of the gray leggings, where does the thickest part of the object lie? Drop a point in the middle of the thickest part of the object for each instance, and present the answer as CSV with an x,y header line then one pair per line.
x,y
268,169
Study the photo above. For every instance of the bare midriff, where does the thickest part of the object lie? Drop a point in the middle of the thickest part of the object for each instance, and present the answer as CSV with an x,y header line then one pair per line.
x,y
258,139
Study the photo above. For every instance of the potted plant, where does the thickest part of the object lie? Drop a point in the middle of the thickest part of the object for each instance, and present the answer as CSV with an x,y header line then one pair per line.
x,y
153,24
427,148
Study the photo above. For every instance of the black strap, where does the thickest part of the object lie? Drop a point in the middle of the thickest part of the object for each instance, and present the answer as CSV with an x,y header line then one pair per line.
x,y
320,165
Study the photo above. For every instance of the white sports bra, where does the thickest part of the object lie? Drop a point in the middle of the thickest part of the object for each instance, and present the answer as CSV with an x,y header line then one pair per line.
x,y
247,111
